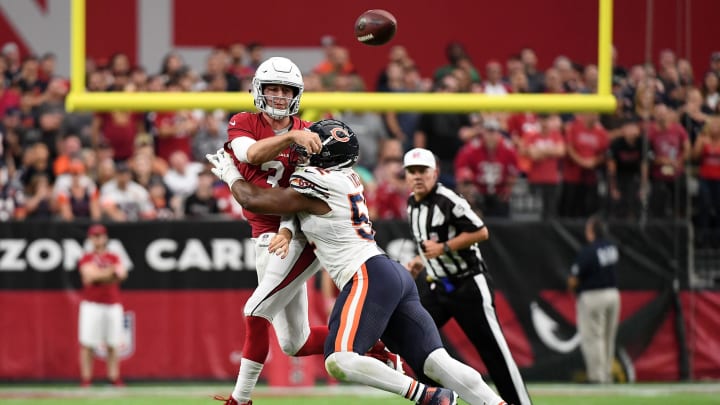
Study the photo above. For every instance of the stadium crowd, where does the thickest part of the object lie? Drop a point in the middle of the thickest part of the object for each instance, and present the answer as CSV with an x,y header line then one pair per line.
x,y
657,156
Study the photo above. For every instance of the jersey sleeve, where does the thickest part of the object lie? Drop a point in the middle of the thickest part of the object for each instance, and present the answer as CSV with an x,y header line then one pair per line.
x,y
310,183
240,125
466,220
87,258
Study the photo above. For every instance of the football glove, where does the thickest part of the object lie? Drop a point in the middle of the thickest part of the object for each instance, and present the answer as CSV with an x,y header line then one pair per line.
x,y
224,167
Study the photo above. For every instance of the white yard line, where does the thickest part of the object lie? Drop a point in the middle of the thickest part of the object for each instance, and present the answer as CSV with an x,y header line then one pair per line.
x,y
199,390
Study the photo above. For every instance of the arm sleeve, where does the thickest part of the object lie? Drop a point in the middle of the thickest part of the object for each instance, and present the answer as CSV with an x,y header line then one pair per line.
x,y
240,146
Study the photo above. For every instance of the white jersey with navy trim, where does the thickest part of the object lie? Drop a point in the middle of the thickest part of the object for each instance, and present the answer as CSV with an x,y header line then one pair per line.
x,y
343,238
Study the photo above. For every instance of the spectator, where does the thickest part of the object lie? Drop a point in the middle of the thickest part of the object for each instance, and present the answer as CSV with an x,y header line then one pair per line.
x,y
138,78
628,171
76,194
397,55
441,133
174,130
367,124
389,198
244,73
9,95
685,71
202,203
38,202
101,313
593,279
165,204
586,144
211,134
12,198
14,138
217,66
715,62
513,65
486,168
172,65
707,152
122,199
70,148
11,52
336,62
36,160
493,83
182,176
520,126
456,56
644,103
545,149
567,74
400,125
619,72
119,130
534,76
670,147
710,93
105,172
694,114
256,53
589,80
30,86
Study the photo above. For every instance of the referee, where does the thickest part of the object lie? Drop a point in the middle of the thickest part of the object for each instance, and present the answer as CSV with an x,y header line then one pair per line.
x,y
447,233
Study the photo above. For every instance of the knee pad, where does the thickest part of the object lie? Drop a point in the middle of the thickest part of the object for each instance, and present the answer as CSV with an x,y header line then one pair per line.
x,y
339,364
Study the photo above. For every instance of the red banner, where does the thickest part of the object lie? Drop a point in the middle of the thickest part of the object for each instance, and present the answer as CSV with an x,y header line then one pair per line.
x,y
198,334
195,334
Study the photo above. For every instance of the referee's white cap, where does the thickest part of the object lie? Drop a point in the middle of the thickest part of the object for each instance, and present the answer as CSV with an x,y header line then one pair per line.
x,y
419,157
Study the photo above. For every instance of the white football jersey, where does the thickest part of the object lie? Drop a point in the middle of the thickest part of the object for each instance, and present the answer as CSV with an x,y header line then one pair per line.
x,y
343,238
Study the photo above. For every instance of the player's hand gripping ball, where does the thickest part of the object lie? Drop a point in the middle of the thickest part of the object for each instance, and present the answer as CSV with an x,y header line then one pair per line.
x,y
375,27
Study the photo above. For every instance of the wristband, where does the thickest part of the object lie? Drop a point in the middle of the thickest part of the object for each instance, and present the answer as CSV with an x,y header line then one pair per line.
x,y
446,248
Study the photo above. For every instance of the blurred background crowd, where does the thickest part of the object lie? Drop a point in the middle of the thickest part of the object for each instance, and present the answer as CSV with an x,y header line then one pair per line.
x,y
656,156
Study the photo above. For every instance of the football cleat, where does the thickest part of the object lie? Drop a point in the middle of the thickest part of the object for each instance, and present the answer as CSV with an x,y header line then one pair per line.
x,y
438,396
230,400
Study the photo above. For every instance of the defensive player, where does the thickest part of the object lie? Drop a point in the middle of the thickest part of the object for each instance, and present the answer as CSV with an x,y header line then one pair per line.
x,y
378,297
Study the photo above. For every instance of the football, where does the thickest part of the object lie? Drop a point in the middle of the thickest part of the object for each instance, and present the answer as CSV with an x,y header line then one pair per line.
x,y
375,27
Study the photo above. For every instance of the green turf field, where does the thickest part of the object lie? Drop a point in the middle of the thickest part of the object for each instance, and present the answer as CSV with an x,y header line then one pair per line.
x,y
191,394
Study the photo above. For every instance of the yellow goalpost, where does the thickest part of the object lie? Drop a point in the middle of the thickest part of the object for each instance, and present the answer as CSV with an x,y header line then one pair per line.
x,y
603,101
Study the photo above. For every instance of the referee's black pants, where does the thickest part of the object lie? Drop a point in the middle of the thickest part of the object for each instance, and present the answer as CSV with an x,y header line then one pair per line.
x,y
472,304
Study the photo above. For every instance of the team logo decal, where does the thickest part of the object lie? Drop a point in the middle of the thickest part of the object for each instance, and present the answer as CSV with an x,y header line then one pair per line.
x,y
340,134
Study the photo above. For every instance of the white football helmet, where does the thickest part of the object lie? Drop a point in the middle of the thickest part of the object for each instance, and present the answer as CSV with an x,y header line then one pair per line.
x,y
277,70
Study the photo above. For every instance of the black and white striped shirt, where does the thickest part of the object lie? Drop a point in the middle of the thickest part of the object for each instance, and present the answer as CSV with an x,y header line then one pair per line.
x,y
441,216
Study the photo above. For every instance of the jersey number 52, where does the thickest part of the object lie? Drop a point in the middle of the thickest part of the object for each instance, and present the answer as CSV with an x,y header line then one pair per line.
x,y
360,219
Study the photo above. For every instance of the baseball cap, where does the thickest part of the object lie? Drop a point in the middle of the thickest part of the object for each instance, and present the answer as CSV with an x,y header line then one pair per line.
x,y
76,167
491,124
97,229
419,157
